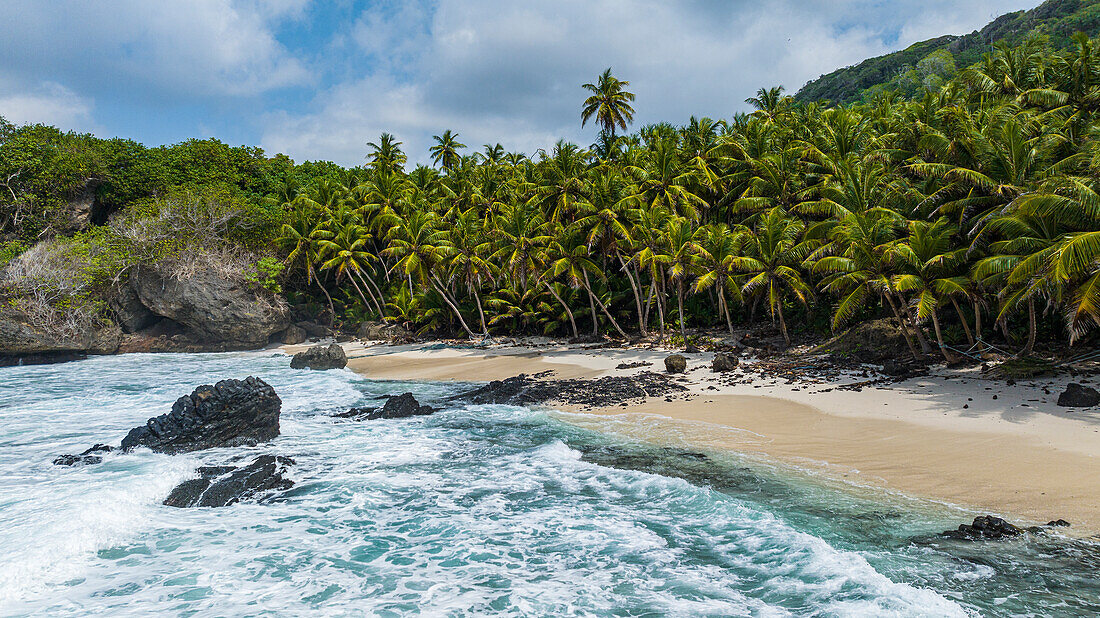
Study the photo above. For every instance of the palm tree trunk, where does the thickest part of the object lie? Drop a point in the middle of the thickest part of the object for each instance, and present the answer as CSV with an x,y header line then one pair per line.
x,y
568,311
1032,328
782,322
480,311
680,308
377,306
378,290
661,307
725,308
925,347
443,292
939,338
962,318
592,308
361,295
637,295
901,323
603,307
331,308
978,324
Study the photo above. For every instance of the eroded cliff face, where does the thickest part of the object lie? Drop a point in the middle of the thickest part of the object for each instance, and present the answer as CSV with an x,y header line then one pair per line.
x,y
211,308
153,308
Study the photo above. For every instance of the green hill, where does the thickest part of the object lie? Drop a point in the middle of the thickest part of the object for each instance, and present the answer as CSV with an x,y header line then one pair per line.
x,y
938,58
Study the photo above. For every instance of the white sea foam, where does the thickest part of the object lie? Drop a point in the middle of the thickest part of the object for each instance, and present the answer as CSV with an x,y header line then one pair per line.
x,y
484,510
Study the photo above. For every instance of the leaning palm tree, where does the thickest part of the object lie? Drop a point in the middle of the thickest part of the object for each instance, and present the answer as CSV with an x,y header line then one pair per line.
x,y
609,103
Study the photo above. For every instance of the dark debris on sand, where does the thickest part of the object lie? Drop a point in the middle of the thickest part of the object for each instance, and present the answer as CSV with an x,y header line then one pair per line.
x,y
523,390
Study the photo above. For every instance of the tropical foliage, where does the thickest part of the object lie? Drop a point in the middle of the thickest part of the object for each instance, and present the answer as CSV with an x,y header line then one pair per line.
x,y
968,213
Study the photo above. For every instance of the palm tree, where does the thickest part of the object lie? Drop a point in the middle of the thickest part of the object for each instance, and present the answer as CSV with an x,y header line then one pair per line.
x,y
774,251
445,151
386,155
716,251
570,257
609,103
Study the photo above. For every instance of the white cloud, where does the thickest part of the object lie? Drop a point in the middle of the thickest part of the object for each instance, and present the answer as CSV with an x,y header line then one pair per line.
x,y
169,48
49,103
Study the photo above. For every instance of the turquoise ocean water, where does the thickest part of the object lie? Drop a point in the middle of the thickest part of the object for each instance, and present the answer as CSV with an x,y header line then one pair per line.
x,y
480,510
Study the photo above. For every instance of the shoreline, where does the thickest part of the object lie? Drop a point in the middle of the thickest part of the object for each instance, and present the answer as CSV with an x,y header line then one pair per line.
x,y
1011,451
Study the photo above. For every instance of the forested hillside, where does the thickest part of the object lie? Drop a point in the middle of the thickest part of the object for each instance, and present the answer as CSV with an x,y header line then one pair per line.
x,y
969,216
932,62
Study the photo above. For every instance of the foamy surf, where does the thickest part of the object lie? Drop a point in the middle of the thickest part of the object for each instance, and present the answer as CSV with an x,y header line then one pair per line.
x,y
479,510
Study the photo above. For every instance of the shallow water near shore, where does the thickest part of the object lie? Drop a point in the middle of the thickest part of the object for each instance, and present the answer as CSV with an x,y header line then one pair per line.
x,y
474,510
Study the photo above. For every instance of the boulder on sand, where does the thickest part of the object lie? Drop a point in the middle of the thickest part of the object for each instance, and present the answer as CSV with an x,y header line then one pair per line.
x,y
399,406
320,357
676,363
724,362
1078,396
381,331
225,485
230,413
293,335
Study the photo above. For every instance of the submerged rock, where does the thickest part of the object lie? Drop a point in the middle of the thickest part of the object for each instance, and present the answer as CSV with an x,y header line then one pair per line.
x,y
984,527
230,413
225,485
676,363
400,406
320,358
1078,396
86,458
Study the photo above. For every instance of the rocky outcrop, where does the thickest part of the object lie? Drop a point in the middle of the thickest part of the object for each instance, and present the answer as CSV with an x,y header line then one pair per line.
x,y
724,362
1078,396
211,307
127,309
524,390
985,527
229,413
320,358
225,485
676,363
399,406
20,337
992,528
88,457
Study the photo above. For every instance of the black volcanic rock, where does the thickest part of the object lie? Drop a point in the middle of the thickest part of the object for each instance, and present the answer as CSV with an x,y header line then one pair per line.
x,y
1078,396
676,363
320,358
225,485
985,527
87,457
400,406
230,413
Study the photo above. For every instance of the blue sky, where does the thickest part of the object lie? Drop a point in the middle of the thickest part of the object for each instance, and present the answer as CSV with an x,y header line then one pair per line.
x,y
317,80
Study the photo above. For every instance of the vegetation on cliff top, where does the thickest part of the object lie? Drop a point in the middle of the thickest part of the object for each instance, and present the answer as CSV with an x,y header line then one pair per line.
x,y
969,214
932,62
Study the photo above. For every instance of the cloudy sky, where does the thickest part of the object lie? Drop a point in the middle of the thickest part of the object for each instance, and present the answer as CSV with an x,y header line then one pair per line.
x,y
317,80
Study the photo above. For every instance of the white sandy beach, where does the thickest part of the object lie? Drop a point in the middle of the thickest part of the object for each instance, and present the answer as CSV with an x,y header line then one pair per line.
x,y
1012,451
